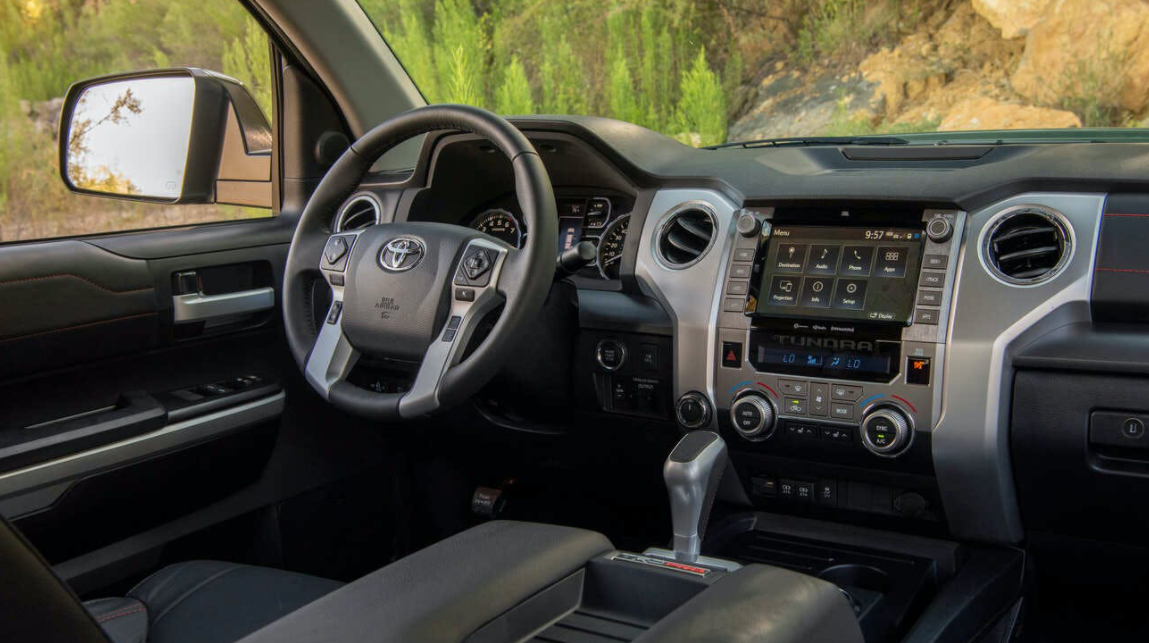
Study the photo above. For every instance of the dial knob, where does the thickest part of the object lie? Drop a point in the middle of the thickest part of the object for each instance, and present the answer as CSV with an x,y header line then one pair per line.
x,y
748,225
886,431
693,410
939,230
753,417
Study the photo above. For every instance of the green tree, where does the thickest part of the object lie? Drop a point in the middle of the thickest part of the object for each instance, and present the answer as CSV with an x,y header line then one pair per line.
x,y
623,100
702,106
412,45
248,58
514,94
459,50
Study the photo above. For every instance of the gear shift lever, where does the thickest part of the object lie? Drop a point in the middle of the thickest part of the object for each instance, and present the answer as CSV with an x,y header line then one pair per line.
x,y
692,473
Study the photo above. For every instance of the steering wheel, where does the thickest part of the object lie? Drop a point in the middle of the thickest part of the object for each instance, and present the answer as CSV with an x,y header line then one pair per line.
x,y
416,291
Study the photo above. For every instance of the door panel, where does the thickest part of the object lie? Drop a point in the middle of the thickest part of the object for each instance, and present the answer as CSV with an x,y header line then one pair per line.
x,y
68,302
89,345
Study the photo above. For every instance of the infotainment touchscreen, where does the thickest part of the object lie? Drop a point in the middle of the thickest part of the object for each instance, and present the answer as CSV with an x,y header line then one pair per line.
x,y
844,273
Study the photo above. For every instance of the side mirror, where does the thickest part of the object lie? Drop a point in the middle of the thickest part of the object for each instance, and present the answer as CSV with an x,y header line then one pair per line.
x,y
166,136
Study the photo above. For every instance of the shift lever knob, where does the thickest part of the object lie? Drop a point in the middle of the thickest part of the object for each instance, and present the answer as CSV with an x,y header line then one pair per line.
x,y
692,472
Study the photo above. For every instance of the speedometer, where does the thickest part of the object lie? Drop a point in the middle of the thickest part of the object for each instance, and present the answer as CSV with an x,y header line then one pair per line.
x,y
610,247
501,225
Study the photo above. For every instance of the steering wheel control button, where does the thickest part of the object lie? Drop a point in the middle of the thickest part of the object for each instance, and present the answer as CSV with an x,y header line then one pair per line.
x,y
336,252
465,294
333,314
939,230
886,431
476,265
610,354
693,411
732,354
452,328
753,417
336,248
337,280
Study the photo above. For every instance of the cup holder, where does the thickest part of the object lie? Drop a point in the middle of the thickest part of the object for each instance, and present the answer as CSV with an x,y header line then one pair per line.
x,y
860,576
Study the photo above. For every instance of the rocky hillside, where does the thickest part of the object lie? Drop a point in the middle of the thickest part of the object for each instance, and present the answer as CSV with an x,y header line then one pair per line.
x,y
971,65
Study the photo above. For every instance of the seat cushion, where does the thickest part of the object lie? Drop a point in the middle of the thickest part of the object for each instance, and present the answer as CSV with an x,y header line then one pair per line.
x,y
206,602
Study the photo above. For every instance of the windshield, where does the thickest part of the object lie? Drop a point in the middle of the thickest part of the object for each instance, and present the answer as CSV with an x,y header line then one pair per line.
x,y
709,72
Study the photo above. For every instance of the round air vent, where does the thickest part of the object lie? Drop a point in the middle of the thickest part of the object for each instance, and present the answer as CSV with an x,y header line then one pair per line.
x,y
685,236
361,211
1027,245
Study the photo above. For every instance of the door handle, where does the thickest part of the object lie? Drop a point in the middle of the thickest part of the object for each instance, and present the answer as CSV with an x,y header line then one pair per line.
x,y
197,306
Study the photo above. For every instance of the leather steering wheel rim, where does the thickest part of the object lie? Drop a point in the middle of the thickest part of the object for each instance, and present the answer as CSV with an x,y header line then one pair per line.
x,y
523,278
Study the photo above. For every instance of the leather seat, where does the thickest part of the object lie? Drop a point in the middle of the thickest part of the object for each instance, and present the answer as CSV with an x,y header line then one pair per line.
x,y
205,602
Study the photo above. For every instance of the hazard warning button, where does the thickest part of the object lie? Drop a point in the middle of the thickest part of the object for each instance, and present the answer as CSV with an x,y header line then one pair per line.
x,y
732,354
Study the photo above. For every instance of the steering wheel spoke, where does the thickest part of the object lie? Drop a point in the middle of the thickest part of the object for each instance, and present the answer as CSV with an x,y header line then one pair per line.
x,y
332,356
474,293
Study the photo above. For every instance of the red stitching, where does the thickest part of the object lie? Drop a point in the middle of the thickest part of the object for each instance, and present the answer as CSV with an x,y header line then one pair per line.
x,y
108,617
74,276
60,330
1110,214
1139,272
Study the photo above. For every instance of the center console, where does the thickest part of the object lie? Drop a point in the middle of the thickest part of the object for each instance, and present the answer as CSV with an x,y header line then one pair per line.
x,y
830,340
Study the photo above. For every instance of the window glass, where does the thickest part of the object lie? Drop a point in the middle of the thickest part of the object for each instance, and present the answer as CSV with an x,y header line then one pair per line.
x,y
45,45
709,72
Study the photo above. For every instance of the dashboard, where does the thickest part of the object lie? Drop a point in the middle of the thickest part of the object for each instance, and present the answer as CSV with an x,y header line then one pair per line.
x,y
853,320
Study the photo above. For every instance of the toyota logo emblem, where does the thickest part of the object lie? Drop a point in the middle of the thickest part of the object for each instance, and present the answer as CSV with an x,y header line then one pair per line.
x,y
402,254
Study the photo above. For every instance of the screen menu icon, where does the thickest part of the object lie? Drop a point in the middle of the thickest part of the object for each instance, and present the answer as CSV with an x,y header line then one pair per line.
x,y
791,258
857,261
823,259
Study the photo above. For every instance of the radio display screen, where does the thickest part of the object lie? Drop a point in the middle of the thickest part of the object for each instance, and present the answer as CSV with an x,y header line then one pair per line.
x,y
827,349
859,274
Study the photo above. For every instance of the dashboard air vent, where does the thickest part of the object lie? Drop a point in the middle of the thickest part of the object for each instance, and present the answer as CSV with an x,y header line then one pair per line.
x,y
1027,246
685,236
361,211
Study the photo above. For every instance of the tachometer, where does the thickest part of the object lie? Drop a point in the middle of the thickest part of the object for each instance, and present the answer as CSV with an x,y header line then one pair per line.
x,y
610,247
501,225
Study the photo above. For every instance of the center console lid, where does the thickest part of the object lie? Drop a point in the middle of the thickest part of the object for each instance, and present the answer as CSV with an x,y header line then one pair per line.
x,y
510,582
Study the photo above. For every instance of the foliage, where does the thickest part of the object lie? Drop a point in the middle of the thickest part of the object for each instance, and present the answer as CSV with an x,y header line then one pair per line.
x,y
702,108
514,95
627,59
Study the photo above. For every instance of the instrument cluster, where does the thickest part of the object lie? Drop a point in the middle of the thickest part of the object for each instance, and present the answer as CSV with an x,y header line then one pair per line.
x,y
601,220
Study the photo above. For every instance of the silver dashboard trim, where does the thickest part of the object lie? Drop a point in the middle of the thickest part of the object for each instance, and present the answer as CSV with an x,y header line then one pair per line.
x,y
989,321
689,294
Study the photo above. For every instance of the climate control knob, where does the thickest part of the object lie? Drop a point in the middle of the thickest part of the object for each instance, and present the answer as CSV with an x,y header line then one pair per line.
x,y
886,431
753,417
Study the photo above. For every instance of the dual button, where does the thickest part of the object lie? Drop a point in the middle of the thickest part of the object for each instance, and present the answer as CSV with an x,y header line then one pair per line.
x,y
819,399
